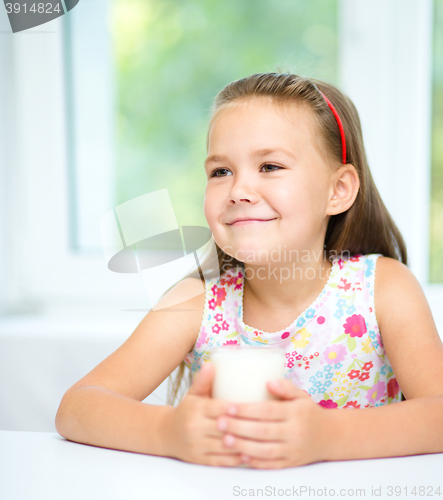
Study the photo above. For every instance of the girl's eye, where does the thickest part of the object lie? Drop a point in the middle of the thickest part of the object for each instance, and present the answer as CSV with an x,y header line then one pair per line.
x,y
272,166
266,165
215,172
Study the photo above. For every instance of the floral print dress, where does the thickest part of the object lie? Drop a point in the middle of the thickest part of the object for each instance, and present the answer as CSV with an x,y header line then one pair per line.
x,y
334,350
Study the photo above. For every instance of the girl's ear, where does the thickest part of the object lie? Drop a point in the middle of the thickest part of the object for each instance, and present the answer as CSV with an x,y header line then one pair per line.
x,y
344,189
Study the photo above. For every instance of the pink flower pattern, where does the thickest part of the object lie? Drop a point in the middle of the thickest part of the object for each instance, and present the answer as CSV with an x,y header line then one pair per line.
x,y
231,342
328,404
355,325
376,392
334,354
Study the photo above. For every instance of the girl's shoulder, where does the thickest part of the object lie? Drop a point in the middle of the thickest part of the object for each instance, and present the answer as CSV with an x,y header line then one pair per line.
x,y
398,296
185,302
391,276
410,336
394,281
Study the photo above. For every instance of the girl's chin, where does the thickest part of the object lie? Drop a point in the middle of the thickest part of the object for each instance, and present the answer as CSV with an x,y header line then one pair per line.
x,y
255,252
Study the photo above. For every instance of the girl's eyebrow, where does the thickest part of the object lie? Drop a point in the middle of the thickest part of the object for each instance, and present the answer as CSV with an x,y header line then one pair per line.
x,y
259,153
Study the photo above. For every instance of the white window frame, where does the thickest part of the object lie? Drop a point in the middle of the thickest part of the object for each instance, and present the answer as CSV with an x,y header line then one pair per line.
x,y
389,78
39,271
373,72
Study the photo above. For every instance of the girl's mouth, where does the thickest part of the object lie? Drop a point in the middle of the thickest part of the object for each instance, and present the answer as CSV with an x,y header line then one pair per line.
x,y
250,221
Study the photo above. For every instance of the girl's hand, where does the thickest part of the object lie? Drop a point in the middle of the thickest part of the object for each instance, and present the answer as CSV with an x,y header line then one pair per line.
x,y
190,431
276,434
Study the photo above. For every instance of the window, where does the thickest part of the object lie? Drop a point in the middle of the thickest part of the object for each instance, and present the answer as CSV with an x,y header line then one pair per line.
x,y
436,226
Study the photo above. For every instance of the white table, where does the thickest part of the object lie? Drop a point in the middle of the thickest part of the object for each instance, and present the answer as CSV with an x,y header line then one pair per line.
x,y
39,465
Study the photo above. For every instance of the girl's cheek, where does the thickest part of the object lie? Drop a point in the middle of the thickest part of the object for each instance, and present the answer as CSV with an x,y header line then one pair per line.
x,y
212,203
207,204
210,217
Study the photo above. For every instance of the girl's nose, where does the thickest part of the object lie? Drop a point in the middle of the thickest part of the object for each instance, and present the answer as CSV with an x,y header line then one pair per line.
x,y
242,190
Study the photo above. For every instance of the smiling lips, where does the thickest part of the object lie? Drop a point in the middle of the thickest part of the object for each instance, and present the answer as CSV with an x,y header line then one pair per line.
x,y
245,222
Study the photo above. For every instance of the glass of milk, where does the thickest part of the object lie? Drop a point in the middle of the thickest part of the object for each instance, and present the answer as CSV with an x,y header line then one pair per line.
x,y
241,373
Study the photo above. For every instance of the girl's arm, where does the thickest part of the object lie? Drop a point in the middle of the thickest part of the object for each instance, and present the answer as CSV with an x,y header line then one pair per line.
x,y
297,431
104,408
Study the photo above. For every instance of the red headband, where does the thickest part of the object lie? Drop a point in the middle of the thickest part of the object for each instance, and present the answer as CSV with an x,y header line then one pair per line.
x,y
340,126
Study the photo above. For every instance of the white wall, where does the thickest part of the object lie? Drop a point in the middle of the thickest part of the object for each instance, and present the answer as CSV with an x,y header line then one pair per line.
x,y
40,358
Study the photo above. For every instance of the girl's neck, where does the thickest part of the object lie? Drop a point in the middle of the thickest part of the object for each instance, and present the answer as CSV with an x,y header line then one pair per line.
x,y
279,288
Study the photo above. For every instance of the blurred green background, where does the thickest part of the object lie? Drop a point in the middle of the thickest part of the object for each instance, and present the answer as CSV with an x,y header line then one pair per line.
x,y
173,56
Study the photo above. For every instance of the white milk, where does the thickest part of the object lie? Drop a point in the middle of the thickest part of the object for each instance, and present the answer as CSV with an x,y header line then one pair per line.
x,y
241,373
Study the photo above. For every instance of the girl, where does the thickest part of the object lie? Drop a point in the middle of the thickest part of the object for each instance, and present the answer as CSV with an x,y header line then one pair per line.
x,y
301,232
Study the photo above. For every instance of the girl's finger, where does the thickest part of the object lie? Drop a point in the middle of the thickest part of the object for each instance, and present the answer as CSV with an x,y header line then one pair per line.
x,y
215,408
223,460
215,445
202,383
266,410
252,429
285,389
258,449
257,463
211,408
212,430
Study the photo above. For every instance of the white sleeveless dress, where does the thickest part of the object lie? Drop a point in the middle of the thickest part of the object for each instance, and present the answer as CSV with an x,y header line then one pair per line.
x,y
334,350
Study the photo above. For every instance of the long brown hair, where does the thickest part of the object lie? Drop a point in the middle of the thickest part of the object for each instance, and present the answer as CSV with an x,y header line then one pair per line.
x,y
366,227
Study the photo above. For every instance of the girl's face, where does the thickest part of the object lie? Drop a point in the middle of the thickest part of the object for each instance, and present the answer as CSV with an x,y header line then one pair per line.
x,y
263,163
